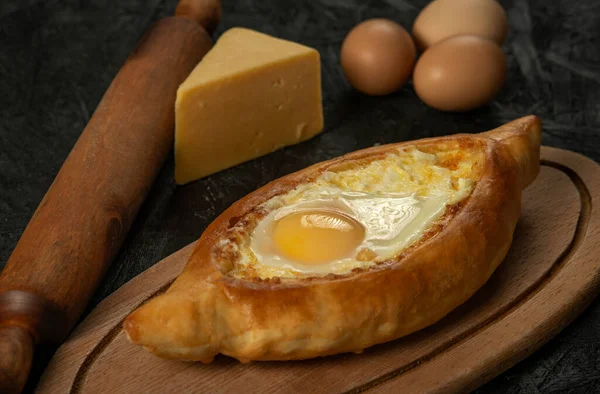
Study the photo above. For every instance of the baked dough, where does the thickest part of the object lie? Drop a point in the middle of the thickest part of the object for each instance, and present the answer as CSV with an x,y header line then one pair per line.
x,y
207,311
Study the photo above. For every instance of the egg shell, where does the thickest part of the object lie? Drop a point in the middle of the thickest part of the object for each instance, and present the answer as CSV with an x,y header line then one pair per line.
x,y
460,73
378,56
441,19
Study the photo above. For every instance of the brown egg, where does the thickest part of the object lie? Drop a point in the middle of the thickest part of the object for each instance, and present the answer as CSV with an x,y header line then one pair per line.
x,y
378,56
445,18
460,73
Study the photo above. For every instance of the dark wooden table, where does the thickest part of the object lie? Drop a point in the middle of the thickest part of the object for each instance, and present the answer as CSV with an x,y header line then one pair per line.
x,y
57,57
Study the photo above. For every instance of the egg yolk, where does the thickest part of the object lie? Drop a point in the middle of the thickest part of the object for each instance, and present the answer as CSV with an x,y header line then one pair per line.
x,y
317,236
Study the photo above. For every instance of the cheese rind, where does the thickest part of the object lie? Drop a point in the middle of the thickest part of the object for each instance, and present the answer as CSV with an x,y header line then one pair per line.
x,y
251,95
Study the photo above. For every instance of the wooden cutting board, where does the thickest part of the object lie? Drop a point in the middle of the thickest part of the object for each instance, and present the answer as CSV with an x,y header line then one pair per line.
x,y
550,275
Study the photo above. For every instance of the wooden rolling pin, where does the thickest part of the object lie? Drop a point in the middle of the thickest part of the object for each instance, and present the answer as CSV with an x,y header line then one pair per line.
x,y
82,220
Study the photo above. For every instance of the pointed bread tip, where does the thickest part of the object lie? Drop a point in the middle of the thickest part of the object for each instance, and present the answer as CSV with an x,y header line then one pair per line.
x,y
130,329
522,137
140,323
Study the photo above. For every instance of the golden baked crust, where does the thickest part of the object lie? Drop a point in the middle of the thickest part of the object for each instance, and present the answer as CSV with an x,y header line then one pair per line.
x,y
206,311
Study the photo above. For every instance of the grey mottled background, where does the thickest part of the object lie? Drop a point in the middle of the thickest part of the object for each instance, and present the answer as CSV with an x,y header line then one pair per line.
x,y
58,57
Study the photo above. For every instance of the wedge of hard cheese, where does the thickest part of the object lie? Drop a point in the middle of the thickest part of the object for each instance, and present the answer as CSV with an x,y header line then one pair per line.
x,y
250,95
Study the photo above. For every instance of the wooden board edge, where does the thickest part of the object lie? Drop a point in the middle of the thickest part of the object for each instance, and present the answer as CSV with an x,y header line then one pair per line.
x,y
61,374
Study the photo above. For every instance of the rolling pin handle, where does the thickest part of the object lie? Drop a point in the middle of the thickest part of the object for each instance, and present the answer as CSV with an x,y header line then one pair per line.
x,y
207,13
27,319
16,355
44,321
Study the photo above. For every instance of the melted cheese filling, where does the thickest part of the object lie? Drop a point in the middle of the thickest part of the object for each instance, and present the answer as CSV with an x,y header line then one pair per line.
x,y
352,218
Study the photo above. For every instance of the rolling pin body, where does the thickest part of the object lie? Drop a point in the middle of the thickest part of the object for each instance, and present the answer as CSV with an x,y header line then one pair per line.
x,y
84,217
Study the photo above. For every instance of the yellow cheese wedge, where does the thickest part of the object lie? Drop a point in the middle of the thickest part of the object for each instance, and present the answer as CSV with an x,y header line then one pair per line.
x,y
250,95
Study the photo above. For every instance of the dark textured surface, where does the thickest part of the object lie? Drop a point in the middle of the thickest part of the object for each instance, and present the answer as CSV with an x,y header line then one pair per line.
x,y
58,57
